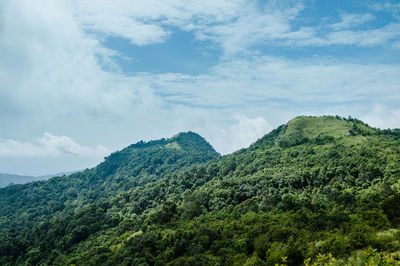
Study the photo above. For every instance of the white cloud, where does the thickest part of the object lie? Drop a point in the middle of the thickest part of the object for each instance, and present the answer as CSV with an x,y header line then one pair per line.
x,y
49,146
234,25
51,68
124,26
55,80
363,38
247,130
386,7
351,20
253,81
54,73
147,22
341,36
252,26
239,133
382,116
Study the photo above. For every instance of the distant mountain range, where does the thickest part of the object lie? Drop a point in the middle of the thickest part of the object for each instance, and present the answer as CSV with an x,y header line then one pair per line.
x,y
10,179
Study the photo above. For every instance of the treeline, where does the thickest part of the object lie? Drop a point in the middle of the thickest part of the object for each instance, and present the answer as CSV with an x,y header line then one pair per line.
x,y
333,199
37,217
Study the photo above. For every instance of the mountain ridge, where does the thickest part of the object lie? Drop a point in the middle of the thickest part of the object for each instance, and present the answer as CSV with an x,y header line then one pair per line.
x,y
25,205
7,179
314,185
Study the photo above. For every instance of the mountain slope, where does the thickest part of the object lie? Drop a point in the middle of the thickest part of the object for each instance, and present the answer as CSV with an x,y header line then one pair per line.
x,y
315,185
24,207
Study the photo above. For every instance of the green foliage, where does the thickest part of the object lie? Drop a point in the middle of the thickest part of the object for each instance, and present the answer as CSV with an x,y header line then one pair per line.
x,y
39,217
317,191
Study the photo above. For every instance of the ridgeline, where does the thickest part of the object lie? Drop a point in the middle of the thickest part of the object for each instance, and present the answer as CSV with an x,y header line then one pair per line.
x,y
316,190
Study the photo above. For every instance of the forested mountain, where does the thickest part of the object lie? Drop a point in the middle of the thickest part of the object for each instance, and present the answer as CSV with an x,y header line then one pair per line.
x,y
316,190
24,209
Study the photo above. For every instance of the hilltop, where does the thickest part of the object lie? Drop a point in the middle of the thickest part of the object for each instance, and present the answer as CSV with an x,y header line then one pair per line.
x,y
314,185
23,207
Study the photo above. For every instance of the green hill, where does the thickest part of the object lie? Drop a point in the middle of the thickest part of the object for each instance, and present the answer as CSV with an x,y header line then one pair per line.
x,y
24,207
317,190
321,129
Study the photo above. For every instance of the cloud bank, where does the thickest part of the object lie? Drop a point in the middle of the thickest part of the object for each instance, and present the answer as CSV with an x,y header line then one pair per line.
x,y
49,146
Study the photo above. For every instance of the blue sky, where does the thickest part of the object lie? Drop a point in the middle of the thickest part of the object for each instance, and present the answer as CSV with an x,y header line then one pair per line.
x,y
82,78
182,52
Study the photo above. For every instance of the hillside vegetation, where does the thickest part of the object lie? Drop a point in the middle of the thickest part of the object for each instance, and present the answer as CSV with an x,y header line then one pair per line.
x,y
44,214
318,190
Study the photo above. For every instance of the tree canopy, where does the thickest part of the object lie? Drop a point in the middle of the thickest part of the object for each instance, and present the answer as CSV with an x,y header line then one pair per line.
x,y
318,190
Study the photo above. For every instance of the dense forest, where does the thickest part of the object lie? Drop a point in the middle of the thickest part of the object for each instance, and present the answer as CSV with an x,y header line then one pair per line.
x,y
315,191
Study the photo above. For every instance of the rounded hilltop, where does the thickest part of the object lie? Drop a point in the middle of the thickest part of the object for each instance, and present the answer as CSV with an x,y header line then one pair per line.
x,y
321,129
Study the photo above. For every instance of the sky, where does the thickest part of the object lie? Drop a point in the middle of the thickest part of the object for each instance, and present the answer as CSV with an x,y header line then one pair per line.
x,y
80,79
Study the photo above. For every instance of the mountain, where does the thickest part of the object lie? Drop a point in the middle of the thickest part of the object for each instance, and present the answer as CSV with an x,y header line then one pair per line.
x,y
9,179
24,207
317,190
